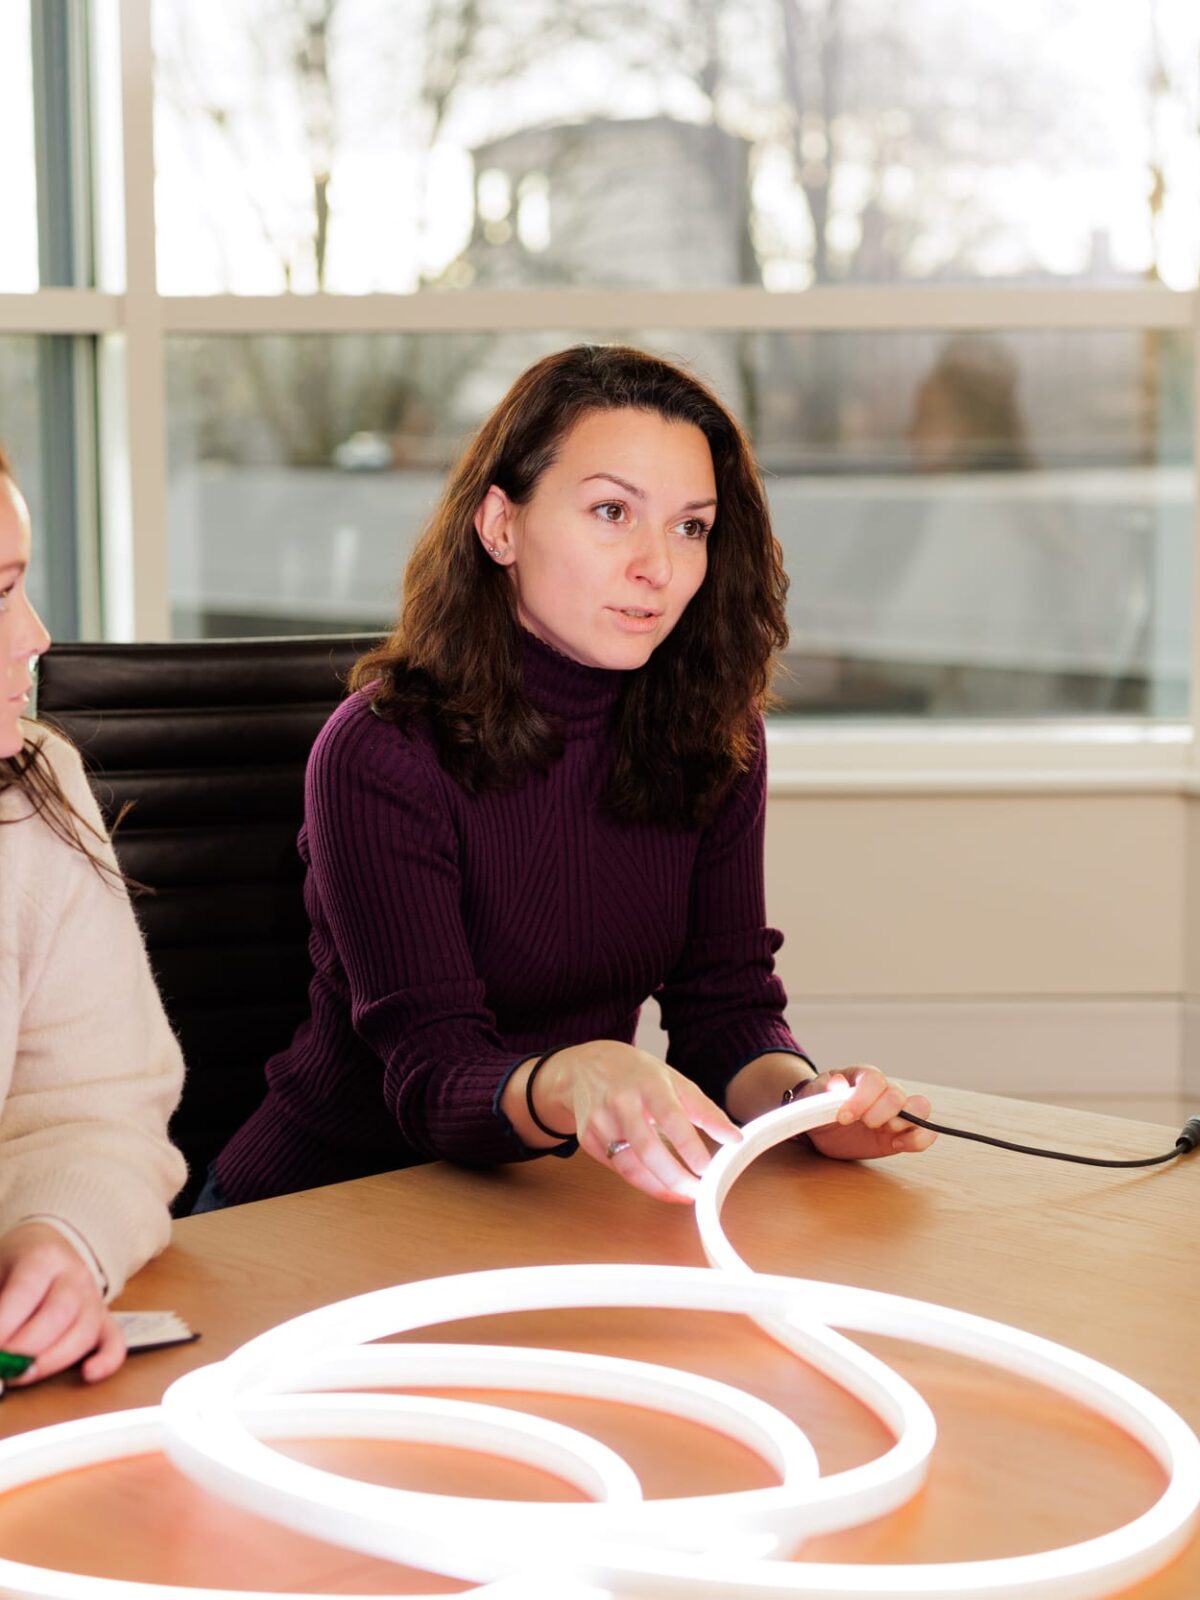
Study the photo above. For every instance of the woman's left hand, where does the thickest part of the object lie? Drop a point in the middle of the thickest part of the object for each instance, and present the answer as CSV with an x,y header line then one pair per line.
x,y
51,1308
868,1124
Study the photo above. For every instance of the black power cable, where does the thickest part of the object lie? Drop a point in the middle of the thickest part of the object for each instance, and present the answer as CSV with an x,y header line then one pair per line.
x,y
1189,1138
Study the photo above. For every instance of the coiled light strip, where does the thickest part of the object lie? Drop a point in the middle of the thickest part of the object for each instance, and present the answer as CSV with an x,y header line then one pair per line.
x,y
215,1423
91,1441
205,1437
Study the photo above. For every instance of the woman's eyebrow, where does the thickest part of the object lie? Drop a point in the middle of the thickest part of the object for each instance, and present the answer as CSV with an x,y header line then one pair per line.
x,y
15,567
630,488
640,494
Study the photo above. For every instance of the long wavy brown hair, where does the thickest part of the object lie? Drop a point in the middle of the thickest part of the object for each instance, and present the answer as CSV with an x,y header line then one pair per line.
x,y
686,721
30,772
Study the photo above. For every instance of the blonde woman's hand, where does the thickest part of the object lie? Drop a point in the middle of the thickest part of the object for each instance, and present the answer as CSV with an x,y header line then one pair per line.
x,y
613,1096
51,1307
869,1124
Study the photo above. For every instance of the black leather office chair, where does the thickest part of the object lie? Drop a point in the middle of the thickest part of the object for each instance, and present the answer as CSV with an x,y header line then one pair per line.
x,y
208,741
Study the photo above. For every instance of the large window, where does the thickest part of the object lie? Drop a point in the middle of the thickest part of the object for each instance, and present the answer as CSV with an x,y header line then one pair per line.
x,y
942,260
351,145
22,436
973,524
46,393
19,244
47,390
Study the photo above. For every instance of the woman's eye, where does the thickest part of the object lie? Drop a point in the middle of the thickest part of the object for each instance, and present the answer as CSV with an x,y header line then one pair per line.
x,y
610,511
694,528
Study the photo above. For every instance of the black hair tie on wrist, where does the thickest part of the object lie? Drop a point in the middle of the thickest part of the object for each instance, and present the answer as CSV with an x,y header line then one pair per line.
x,y
529,1105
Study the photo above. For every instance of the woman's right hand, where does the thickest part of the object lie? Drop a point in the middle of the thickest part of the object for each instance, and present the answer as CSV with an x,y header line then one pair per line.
x,y
607,1094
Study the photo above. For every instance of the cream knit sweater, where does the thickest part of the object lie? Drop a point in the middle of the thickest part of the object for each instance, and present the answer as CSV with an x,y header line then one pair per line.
x,y
89,1068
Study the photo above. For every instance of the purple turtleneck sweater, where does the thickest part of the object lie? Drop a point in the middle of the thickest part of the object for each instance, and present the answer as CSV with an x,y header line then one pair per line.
x,y
453,935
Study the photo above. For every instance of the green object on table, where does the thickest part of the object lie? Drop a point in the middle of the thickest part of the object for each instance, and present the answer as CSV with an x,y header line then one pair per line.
x,y
13,1365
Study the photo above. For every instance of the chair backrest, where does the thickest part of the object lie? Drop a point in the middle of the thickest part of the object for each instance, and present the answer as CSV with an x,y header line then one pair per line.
x,y
207,742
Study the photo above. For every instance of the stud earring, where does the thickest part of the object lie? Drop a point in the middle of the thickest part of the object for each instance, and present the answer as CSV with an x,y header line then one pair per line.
x,y
492,551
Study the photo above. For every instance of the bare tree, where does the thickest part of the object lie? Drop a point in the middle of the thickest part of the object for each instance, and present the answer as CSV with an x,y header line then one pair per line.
x,y
295,384
812,62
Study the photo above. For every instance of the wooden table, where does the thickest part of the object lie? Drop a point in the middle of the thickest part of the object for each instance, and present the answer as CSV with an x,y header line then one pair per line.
x,y
1102,1261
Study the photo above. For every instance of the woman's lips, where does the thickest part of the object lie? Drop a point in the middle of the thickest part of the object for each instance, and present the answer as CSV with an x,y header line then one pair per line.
x,y
635,620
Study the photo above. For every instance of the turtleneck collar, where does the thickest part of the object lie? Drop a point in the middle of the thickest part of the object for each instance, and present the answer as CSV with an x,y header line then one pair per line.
x,y
581,698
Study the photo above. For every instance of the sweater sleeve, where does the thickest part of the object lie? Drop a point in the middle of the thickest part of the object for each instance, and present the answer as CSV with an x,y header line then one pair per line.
x,y
97,1071
723,1004
384,865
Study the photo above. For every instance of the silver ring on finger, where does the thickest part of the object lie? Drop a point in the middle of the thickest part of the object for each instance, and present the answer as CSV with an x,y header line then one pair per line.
x,y
617,1147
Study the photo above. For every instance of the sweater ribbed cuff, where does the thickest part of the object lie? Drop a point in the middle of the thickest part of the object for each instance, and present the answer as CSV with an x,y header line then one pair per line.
x,y
77,1242
124,1227
722,1056
567,1148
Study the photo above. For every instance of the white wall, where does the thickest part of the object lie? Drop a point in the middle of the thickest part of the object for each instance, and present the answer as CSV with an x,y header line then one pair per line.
x,y
1032,943
1041,944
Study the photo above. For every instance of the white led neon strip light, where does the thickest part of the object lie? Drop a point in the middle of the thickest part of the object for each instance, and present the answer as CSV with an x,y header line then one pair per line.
x,y
217,1423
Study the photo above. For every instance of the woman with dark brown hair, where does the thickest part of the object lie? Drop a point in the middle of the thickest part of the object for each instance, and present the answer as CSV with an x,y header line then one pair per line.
x,y
89,1068
544,803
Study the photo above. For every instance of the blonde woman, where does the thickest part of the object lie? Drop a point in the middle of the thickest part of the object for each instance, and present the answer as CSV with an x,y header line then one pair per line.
x,y
89,1068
